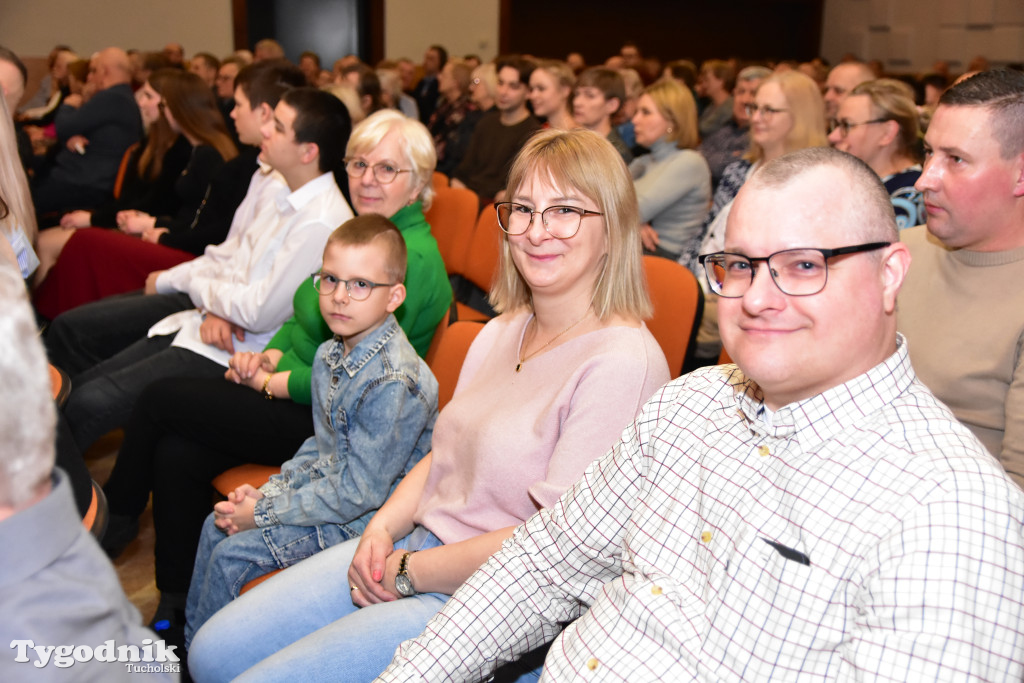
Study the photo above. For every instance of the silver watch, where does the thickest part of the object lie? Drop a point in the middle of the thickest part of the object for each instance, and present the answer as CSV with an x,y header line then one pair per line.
x,y
403,584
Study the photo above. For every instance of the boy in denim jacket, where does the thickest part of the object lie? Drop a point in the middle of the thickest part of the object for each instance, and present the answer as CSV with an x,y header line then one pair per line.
x,y
374,406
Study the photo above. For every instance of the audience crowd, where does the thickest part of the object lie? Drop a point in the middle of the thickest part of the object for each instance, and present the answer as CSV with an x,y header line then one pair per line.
x,y
232,259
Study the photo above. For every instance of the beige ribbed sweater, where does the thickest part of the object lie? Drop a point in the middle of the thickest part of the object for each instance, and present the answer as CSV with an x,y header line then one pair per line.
x,y
962,313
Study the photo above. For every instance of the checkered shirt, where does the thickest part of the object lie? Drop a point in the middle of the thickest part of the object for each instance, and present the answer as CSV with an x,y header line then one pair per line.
x,y
863,535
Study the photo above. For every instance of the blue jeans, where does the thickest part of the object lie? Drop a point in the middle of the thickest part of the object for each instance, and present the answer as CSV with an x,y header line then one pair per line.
x,y
302,624
224,564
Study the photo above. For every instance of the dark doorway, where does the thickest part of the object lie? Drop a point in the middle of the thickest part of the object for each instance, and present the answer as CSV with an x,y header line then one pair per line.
x,y
331,28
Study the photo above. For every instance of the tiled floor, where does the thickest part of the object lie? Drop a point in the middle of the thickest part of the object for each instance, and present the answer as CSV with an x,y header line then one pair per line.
x,y
135,566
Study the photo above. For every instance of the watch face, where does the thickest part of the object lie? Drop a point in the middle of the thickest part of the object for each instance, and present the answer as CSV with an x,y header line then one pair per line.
x,y
404,585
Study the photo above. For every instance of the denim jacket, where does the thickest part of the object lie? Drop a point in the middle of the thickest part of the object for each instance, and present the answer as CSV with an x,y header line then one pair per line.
x,y
373,418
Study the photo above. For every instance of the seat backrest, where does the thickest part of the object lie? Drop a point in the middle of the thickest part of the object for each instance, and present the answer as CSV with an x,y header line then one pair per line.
x,y
678,303
123,169
446,363
60,385
252,474
435,341
452,217
482,256
439,181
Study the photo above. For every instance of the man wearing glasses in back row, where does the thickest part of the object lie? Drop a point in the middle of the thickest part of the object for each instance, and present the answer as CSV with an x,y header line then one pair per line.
x,y
812,511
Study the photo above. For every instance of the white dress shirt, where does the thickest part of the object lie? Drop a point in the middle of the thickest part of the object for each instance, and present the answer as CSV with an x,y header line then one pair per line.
x,y
276,241
864,534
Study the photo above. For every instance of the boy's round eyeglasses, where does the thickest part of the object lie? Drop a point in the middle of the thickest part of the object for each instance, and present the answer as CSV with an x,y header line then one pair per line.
x,y
359,289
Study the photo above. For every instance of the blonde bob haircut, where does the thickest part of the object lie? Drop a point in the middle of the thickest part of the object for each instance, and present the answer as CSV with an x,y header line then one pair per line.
x,y
675,103
805,105
585,162
560,71
416,145
890,100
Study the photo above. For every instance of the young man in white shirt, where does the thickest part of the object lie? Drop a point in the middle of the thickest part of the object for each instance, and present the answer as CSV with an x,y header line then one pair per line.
x,y
232,298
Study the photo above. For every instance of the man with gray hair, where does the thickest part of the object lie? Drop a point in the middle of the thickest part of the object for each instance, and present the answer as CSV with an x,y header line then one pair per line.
x,y
963,307
732,140
812,510
59,595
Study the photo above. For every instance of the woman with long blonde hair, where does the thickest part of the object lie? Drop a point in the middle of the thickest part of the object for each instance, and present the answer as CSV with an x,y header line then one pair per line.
x,y
788,114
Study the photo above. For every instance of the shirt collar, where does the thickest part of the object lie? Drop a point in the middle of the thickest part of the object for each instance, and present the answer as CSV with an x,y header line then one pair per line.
x,y
364,350
821,417
289,202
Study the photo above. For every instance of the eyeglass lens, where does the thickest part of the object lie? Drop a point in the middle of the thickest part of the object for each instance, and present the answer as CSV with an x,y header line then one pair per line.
x,y
797,272
357,289
561,222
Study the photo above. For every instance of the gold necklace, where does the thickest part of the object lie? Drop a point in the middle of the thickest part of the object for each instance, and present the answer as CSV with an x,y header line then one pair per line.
x,y
522,360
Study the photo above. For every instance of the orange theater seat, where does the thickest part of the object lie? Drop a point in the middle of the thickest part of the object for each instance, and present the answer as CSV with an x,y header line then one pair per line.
x,y
678,304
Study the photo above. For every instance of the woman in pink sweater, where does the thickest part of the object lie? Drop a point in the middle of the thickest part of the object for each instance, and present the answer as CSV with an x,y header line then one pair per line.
x,y
545,390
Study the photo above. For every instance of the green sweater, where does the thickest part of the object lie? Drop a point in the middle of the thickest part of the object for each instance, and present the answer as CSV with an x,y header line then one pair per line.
x,y
428,292
298,339
428,297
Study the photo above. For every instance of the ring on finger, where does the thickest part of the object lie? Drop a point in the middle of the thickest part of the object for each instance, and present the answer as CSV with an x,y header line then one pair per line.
x,y
353,589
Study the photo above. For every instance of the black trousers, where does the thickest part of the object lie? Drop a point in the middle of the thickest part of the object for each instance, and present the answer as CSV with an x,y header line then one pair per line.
x,y
182,433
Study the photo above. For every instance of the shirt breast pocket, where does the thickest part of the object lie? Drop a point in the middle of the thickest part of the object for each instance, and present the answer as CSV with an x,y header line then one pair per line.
x,y
799,609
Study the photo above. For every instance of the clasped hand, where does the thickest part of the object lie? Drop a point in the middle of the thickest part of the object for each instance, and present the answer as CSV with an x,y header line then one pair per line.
x,y
373,570
237,513
249,368
132,222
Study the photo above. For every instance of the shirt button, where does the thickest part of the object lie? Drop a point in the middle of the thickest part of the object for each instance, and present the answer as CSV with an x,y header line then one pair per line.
x,y
334,380
592,663
763,450
656,590
706,537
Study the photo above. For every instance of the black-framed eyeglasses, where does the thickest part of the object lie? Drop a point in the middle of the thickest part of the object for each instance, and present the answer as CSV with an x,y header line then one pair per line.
x,y
384,172
766,112
561,222
845,126
359,289
796,272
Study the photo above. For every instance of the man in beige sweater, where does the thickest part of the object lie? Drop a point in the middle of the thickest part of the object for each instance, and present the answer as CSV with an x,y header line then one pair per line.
x,y
962,305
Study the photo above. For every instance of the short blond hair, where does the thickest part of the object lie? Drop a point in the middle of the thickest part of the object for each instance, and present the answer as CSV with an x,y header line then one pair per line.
x,y
417,145
891,100
806,106
372,228
488,78
586,162
675,102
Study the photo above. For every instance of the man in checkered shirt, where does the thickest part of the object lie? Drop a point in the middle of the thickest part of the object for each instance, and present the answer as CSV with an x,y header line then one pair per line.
x,y
811,513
